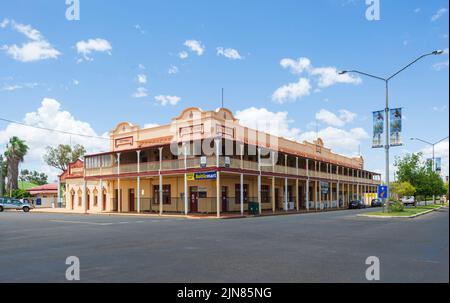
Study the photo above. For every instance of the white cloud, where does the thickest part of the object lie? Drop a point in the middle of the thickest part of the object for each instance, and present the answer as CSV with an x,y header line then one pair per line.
x,y
183,55
443,64
296,66
195,46
151,125
142,78
330,118
38,48
173,70
292,91
75,82
13,87
323,76
141,66
417,10
338,139
440,65
167,100
441,12
85,48
141,92
328,76
229,53
4,23
275,123
50,115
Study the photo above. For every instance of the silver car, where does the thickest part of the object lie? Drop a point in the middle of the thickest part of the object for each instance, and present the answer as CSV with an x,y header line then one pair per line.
x,y
9,203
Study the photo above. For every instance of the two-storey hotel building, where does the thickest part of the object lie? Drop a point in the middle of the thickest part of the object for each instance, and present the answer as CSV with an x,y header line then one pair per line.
x,y
206,162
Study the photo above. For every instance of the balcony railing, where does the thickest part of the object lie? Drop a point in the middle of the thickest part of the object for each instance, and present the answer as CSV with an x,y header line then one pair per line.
x,y
235,163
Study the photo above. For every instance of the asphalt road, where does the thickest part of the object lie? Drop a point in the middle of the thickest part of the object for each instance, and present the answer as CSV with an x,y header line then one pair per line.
x,y
319,247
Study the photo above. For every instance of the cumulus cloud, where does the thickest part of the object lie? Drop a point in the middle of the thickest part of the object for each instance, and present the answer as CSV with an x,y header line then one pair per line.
x,y
167,100
37,48
275,123
86,48
332,119
441,12
51,115
322,76
296,66
183,55
229,53
195,46
4,23
340,140
292,91
141,92
142,78
328,76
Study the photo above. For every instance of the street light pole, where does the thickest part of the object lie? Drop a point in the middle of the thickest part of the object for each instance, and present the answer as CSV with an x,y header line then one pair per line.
x,y
386,110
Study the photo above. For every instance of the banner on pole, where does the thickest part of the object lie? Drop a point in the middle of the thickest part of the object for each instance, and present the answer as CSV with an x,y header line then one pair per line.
x,y
438,165
396,127
378,129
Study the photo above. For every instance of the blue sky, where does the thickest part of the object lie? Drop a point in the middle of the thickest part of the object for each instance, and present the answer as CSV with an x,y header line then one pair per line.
x,y
96,90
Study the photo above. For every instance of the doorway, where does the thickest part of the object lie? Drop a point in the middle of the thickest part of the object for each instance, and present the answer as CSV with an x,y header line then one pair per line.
x,y
224,198
104,200
131,199
193,199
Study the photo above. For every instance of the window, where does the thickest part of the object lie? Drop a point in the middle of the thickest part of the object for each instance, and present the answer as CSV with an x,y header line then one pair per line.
x,y
95,200
166,194
79,201
265,194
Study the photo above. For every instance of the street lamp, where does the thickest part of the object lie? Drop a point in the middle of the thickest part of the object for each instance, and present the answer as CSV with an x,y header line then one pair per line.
x,y
386,110
433,159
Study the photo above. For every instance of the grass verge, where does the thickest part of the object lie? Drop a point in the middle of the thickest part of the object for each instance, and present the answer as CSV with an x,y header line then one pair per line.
x,y
410,211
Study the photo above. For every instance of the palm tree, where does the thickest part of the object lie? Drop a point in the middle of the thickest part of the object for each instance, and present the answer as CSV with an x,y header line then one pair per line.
x,y
16,150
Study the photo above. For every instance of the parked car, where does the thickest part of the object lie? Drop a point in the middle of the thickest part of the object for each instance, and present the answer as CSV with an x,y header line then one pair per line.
x,y
357,204
9,203
376,203
408,201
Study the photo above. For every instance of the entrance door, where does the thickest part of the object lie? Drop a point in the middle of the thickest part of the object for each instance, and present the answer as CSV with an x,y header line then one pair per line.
x,y
224,198
131,199
277,197
193,199
104,201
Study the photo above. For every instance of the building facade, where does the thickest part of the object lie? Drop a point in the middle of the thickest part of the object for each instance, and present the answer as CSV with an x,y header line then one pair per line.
x,y
206,162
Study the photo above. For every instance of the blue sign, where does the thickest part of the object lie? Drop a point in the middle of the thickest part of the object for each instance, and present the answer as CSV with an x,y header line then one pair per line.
x,y
382,192
205,176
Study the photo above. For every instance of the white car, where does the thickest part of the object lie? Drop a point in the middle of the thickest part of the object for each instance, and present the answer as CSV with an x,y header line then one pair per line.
x,y
408,201
9,203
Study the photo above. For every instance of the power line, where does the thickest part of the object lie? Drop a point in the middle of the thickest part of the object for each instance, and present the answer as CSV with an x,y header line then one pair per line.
x,y
54,130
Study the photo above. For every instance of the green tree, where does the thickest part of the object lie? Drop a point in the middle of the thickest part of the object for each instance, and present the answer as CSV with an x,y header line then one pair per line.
x,y
16,149
411,168
61,156
403,189
33,177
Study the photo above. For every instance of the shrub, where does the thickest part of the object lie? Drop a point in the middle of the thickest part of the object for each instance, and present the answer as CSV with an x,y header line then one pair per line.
x,y
396,206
